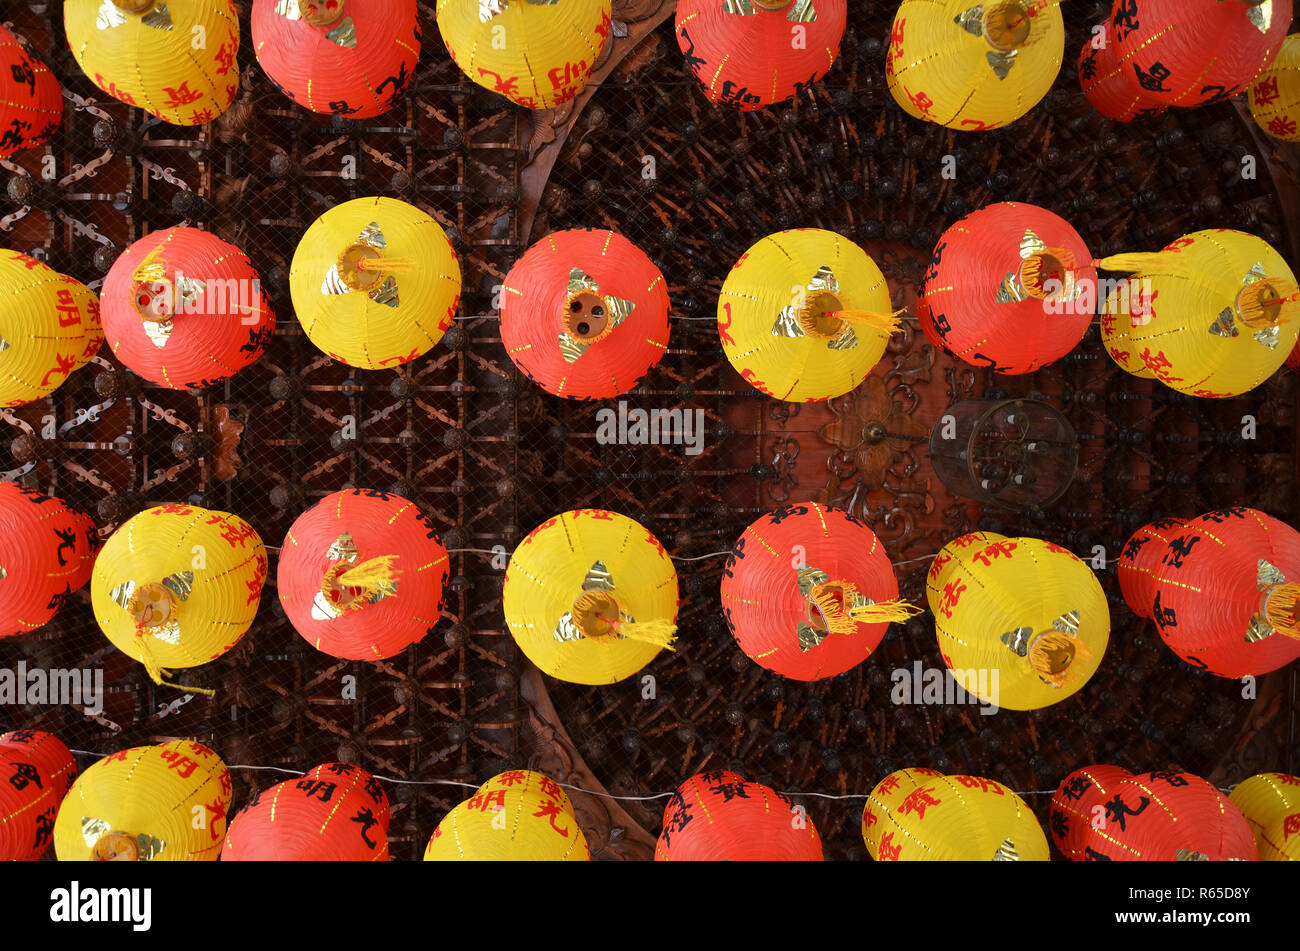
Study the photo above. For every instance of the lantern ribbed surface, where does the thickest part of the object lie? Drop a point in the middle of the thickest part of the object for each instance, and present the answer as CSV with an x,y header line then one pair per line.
x,y
919,815
1023,609
1270,802
1079,803
1275,96
774,574
375,283
749,55
338,57
779,315
973,66
537,55
590,596
1193,324
166,803
362,574
185,310
1168,816
1221,588
1009,287
49,552
1189,52
584,314
336,812
516,816
177,586
31,101
37,771
49,328
719,816
1111,86
151,58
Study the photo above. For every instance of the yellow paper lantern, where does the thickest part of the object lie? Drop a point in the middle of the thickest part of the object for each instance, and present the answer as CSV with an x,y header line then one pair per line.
x,y
517,816
148,53
1022,623
1271,804
165,803
49,328
536,54
919,815
974,66
591,597
1275,96
1212,314
177,586
805,315
375,283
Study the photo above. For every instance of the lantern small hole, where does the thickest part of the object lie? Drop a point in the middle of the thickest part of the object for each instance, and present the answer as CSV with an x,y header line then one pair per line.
x,y
583,327
575,306
598,311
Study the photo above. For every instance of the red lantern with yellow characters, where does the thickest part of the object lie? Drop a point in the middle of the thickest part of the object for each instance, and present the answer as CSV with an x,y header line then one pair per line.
x,y
718,815
31,101
36,772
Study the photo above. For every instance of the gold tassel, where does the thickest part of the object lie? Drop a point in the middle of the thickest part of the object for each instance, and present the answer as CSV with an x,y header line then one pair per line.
x,y
659,632
386,265
1258,309
888,323
1054,655
1145,262
371,575
159,676
885,611
833,600
1280,610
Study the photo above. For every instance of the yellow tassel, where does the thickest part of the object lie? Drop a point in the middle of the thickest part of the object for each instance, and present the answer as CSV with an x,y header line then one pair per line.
x,y
659,632
159,676
1053,657
386,265
371,575
1267,303
888,323
833,600
1145,262
886,611
1280,609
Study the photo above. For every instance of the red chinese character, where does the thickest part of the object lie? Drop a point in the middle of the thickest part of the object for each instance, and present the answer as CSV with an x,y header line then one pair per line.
x,y
939,561
503,85
917,801
512,777
1159,365
952,591
725,325
1004,547
182,95
1291,825
1282,126
602,29
922,102
984,785
887,785
226,56
482,801
61,365
218,812
869,818
1265,91
550,788
888,851
550,810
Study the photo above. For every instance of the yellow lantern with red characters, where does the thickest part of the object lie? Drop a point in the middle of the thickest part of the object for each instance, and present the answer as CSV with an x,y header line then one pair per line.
x,y
1271,804
518,815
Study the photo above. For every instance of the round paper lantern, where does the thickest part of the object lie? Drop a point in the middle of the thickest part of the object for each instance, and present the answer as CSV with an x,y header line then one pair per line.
x,y
337,812
516,816
1189,52
143,53
335,57
1223,589
805,315
37,770
1270,803
185,310
1079,803
1022,623
537,55
1111,86
817,615
362,574
1168,816
719,816
49,328
48,554
584,314
752,53
31,102
165,803
974,66
1010,287
177,586
591,597
1275,96
1214,315
918,815
375,283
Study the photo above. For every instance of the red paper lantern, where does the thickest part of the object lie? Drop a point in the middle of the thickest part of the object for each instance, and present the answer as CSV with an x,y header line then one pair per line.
x,y
49,552
338,812
752,53
185,310
1079,803
362,574
1111,86
719,816
338,57
1165,817
36,772
31,102
1223,589
1010,287
777,580
1188,52
584,314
